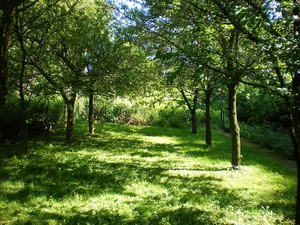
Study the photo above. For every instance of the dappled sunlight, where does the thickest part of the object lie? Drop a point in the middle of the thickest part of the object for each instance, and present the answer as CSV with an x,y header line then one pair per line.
x,y
160,139
114,177
192,173
143,189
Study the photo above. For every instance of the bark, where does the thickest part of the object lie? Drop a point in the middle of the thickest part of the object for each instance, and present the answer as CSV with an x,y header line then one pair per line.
x,y
295,112
193,112
194,121
23,105
222,119
70,118
192,109
8,9
23,121
91,114
295,118
234,126
232,67
208,95
294,115
5,27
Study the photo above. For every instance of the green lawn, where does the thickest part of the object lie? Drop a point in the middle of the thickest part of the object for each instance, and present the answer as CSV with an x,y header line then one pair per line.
x,y
142,175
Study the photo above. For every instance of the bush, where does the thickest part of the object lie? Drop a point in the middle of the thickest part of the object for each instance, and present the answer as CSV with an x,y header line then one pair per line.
x,y
47,111
172,116
9,118
144,115
41,114
117,111
268,136
124,111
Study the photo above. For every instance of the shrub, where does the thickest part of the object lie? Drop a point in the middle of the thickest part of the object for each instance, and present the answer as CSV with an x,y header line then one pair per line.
x,y
144,114
41,114
47,111
268,136
9,118
172,116
124,111
117,111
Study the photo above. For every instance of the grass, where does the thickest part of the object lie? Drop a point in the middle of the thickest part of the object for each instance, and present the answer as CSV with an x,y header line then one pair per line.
x,y
142,175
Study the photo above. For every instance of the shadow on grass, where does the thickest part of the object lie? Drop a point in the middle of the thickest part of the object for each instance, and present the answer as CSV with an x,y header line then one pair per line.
x,y
173,187
178,207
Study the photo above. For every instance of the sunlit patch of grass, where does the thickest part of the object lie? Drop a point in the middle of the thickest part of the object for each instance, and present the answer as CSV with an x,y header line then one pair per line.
x,y
160,140
143,175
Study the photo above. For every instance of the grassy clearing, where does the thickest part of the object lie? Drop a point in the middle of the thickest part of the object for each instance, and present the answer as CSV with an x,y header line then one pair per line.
x,y
143,175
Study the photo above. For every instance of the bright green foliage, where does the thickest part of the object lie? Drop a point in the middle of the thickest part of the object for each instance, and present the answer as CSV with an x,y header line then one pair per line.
x,y
143,175
164,114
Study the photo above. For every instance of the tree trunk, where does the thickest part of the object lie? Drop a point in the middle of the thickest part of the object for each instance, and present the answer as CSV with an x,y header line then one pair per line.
x,y
5,25
234,126
70,118
295,114
7,9
23,122
23,105
298,194
222,119
298,188
91,112
192,109
193,112
194,121
296,140
208,94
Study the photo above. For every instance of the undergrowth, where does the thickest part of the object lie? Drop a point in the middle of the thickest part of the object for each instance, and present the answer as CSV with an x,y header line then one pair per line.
x,y
270,137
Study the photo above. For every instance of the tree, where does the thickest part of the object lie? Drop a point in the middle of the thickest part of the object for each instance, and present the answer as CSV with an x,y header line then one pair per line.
x,y
61,59
231,49
173,30
8,10
274,26
20,52
189,90
22,73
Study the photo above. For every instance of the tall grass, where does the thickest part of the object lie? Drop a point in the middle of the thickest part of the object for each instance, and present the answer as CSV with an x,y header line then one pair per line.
x,y
142,175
